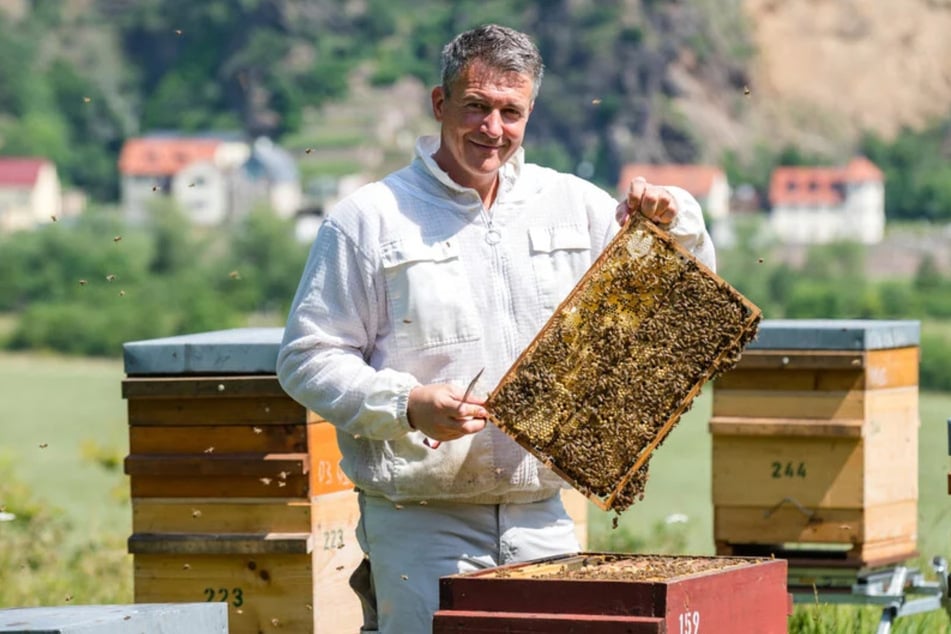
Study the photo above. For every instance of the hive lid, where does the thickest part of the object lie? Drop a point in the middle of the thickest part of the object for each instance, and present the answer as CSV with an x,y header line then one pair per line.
x,y
836,334
235,351
618,363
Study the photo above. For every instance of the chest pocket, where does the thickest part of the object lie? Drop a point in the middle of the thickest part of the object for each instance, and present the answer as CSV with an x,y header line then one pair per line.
x,y
428,294
560,256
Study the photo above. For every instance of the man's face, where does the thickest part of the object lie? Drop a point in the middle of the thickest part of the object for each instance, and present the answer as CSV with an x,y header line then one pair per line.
x,y
483,123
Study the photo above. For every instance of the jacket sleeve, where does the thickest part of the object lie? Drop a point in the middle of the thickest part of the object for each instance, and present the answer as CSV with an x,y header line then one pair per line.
x,y
328,339
689,228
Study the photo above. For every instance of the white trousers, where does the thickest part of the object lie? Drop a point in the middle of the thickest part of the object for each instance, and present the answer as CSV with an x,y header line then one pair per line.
x,y
409,547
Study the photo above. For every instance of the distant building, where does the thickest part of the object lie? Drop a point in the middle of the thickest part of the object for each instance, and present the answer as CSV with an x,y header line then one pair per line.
x,y
817,205
30,193
707,183
215,179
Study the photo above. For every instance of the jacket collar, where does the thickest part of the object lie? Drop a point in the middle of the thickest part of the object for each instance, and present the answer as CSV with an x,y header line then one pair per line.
x,y
427,145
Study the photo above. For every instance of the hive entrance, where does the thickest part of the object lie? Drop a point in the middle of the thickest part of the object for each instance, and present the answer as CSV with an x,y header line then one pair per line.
x,y
619,362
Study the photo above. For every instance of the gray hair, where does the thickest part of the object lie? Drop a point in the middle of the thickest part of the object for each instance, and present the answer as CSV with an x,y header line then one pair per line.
x,y
498,47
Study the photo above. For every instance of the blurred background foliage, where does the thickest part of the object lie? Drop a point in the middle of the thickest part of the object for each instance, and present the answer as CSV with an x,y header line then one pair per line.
x,y
78,78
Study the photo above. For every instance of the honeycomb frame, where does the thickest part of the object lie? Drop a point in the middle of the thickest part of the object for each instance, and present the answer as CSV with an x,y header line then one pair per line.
x,y
618,363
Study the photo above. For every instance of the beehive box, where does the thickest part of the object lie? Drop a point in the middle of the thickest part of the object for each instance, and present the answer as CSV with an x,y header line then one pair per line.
x,y
237,495
622,358
815,442
610,593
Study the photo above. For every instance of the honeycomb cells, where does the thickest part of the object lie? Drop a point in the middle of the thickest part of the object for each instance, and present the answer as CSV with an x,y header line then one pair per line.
x,y
620,361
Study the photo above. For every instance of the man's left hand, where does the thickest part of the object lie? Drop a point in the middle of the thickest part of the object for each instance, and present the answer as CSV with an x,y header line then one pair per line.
x,y
653,202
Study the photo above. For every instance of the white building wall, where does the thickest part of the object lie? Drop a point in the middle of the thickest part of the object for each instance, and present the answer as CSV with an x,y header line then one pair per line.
x,y
201,190
863,218
717,204
805,225
46,199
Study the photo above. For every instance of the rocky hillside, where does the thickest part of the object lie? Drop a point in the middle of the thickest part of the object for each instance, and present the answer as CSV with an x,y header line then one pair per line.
x,y
827,69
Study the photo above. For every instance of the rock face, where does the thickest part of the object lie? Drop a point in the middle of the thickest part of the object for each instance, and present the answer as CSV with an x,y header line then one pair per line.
x,y
835,68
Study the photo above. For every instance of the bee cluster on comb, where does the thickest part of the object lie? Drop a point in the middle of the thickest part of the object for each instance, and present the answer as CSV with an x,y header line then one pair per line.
x,y
621,359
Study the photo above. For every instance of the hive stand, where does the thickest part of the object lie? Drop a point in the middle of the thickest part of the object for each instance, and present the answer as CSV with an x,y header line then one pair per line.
x,y
237,496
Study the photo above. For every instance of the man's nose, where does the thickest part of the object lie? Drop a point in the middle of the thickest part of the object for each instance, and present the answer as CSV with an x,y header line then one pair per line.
x,y
492,124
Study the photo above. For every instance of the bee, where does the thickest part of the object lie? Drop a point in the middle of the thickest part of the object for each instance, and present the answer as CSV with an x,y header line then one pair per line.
x,y
116,238
111,277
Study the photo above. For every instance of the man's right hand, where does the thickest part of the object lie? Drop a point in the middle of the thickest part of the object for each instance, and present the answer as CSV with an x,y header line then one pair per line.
x,y
439,413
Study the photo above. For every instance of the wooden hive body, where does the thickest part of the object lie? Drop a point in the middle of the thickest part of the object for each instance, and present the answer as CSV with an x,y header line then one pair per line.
x,y
815,442
618,363
237,494
713,595
236,491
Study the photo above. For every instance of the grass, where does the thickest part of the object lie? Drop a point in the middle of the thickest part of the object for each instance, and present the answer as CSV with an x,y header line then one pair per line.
x,y
63,425
63,430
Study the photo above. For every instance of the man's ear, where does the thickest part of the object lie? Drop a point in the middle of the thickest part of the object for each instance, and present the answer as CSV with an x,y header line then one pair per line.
x,y
438,97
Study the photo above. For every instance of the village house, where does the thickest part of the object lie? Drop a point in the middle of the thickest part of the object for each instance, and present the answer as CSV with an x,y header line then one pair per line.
x,y
30,193
214,178
818,205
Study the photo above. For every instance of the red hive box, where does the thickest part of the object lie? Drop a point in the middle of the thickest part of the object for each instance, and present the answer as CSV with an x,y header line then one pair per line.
x,y
604,593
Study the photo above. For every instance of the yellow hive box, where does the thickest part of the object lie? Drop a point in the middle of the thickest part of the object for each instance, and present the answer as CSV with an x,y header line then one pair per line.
x,y
815,441
237,494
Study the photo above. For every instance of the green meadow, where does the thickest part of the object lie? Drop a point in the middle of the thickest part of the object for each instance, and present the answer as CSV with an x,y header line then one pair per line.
x,y
63,437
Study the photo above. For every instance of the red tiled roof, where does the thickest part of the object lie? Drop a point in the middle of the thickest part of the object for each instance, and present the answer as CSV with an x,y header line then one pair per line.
x,y
163,156
860,169
696,179
20,171
818,185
